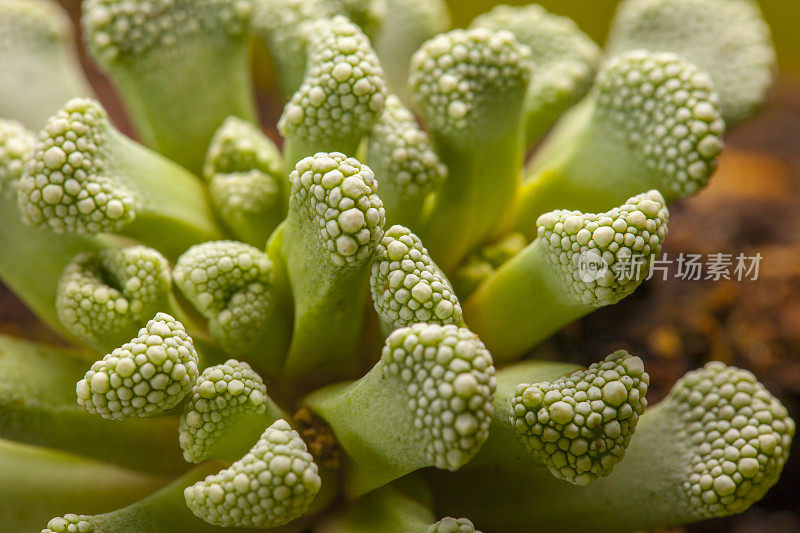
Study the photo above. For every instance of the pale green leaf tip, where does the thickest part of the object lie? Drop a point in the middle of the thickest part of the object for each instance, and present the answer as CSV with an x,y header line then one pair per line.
x,y
453,525
343,92
603,257
737,435
220,393
339,194
70,523
240,146
16,145
403,151
462,78
407,286
115,30
24,20
270,486
668,110
450,383
564,58
66,185
105,293
580,425
144,377
727,38
230,283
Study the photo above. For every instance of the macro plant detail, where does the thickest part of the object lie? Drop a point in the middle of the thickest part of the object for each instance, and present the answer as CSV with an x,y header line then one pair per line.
x,y
146,376
579,425
333,331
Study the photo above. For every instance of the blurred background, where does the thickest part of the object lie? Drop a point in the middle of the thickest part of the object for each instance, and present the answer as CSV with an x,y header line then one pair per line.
x,y
751,206
593,17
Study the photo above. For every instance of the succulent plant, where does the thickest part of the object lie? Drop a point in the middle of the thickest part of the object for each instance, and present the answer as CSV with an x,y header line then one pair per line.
x,y
332,333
